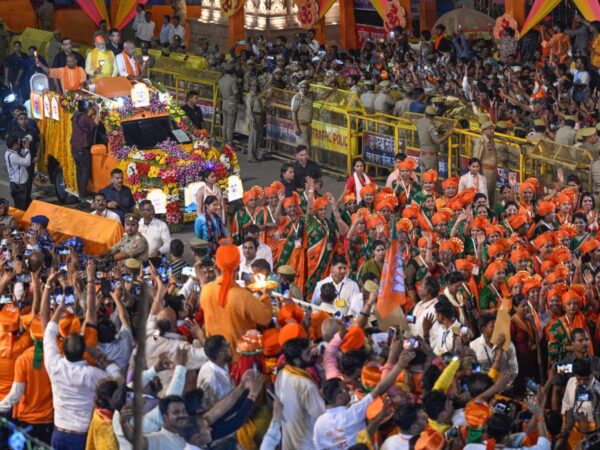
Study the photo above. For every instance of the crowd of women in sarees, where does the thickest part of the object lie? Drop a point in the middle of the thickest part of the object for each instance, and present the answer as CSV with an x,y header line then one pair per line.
x,y
543,247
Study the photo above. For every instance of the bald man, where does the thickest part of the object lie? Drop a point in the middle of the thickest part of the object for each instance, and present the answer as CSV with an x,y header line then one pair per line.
x,y
127,64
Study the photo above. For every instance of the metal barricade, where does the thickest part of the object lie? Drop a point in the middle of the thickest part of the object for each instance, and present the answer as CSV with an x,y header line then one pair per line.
x,y
165,71
280,136
206,83
383,136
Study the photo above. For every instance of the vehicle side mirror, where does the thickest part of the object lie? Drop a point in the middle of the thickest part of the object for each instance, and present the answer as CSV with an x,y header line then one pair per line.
x,y
99,149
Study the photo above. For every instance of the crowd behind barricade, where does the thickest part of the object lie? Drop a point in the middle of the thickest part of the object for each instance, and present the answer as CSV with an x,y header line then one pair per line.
x,y
416,313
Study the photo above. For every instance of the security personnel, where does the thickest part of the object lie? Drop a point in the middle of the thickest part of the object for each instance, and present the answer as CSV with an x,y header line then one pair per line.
x,y
539,131
485,151
200,248
255,110
502,150
302,104
590,139
133,266
429,140
132,244
566,135
368,98
383,103
228,86
403,105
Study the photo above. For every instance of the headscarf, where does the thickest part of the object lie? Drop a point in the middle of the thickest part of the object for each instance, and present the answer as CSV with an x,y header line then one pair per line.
x,y
228,260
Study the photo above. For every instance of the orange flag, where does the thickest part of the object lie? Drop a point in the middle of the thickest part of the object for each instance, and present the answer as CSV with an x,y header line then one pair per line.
x,y
392,289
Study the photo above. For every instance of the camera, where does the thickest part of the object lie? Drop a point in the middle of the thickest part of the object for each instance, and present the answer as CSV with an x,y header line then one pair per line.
x,y
564,368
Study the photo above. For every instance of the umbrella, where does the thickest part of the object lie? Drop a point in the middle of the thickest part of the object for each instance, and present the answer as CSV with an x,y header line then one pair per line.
x,y
470,21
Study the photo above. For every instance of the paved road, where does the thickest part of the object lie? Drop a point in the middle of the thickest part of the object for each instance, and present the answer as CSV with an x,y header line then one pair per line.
x,y
262,174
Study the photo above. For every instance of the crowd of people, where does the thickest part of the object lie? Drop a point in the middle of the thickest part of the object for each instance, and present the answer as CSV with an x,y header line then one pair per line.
x,y
411,312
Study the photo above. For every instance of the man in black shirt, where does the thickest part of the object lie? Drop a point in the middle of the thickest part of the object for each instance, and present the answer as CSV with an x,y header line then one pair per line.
x,y
119,198
304,167
191,108
60,60
114,41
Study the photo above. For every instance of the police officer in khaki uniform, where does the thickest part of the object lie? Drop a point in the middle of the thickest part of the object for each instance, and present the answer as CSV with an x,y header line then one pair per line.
x,y
132,244
228,86
6,220
502,150
485,151
430,140
383,103
566,135
255,110
368,97
301,105
539,131
403,105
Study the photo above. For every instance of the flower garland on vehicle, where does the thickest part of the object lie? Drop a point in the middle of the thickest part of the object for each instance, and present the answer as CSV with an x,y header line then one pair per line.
x,y
170,165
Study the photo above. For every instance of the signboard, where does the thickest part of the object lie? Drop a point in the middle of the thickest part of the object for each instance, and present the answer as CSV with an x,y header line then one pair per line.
x,y
378,150
280,130
369,31
235,189
330,137
47,111
55,108
208,109
140,96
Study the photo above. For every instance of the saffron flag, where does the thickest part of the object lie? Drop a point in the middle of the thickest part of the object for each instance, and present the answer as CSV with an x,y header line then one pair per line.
x,y
392,288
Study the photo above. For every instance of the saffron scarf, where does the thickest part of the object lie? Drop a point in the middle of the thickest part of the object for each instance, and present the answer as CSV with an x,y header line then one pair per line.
x,y
129,68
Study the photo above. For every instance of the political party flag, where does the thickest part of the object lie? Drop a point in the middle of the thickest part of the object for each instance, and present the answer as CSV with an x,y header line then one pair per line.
x,y
392,288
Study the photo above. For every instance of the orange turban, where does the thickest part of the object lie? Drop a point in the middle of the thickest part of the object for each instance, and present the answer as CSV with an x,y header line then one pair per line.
x,y
544,208
497,248
562,198
516,221
570,295
450,245
556,276
404,225
515,279
430,176
519,255
290,313
465,264
422,242
9,318
320,203
467,196
277,186
384,204
455,203
533,283
411,212
494,229
291,331
477,413
407,164
353,340
543,239
316,321
370,376
527,184
69,324
548,264
557,291
294,200
450,182
440,216
270,339
269,191
589,246
493,268
560,255
370,188
375,220
480,223
228,260
349,198
249,195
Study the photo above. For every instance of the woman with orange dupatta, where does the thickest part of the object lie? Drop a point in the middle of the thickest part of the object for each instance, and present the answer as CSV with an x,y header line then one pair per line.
x,y
248,215
554,306
495,290
405,187
559,337
319,236
564,204
527,194
524,339
291,249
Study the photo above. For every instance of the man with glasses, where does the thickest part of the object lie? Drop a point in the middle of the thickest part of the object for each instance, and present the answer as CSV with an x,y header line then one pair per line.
x,y
101,210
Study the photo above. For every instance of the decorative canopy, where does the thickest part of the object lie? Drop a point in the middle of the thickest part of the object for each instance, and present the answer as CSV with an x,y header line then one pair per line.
x,y
590,9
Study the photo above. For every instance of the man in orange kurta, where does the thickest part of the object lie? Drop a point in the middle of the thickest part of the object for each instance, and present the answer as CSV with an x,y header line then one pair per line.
x,y
11,346
230,310
71,77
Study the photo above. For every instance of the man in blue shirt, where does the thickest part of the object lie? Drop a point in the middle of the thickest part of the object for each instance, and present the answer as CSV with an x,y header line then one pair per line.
x,y
28,68
417,105
118,197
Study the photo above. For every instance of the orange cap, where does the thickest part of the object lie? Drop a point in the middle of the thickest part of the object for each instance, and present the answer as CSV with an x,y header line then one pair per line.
x,y
370,188
316,321
589,246
544,208
270,338
498,247
407,164
477,413
320,203
411,212
9,318
404,225
290,313
516,221
430,176
291,331
353,340
493,268
69,324
228,260
450,182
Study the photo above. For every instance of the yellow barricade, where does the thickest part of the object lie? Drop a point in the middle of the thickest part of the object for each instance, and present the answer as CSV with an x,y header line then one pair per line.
x,y
279,133
34,36
165,71
205,82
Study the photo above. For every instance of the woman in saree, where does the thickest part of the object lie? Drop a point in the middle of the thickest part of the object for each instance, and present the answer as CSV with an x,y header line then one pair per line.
x,y
522,333
274,196
559,337
580,224
426,214
590,255
358,180
495,288
348,201
587,205
554,309
428,180
209,225
319,236
406,186
291,231
248,215
208,187
355,242
367,194
373,265
564,205
527,200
